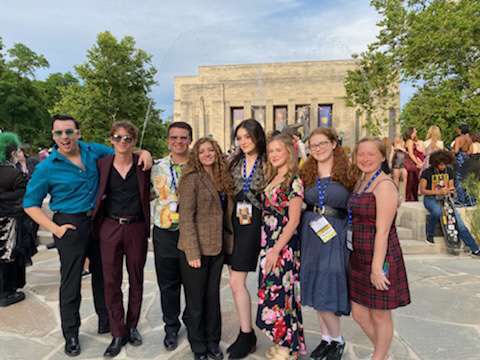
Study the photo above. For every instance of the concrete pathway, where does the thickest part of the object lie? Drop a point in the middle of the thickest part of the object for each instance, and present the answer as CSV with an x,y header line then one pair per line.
x,y
443,321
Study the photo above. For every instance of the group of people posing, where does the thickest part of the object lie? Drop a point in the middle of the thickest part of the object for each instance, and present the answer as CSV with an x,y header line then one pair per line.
x,y
322,235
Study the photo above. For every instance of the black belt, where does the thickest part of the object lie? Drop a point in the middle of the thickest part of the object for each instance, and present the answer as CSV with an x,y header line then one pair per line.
x,y
125,220
79,215
328,211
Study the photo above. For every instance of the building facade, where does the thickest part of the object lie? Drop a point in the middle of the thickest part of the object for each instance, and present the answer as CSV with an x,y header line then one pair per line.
x,y
310,94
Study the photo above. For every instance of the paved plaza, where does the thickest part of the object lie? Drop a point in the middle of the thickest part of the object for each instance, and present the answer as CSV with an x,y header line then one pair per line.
x,y
443,321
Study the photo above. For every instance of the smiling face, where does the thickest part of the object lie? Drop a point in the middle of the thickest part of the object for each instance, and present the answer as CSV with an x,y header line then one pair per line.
x,y
369,157
66,136
245,141
278,154
206,154
178,141
123,142
321,147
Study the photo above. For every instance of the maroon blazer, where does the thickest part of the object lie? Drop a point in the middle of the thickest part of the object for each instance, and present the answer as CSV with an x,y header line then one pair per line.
x,y
105,165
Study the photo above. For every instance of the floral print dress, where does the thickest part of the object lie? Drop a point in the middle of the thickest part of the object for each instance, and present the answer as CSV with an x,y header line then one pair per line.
x,y
279,312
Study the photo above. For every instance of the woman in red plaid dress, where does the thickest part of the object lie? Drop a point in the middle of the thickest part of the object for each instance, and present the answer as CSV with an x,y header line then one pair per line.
x,y
377,276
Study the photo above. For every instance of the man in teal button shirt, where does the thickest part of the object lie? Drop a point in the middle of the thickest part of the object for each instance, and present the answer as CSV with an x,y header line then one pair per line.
x,y
70,176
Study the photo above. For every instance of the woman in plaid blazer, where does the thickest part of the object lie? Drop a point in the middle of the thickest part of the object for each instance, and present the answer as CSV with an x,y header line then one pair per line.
x,y
377,276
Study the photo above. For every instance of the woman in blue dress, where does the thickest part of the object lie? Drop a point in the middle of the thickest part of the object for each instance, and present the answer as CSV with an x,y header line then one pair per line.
x,y
324,260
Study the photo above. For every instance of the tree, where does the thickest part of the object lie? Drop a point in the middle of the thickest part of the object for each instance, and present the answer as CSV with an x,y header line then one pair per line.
x,y
115,82
51,87
24,61
435,45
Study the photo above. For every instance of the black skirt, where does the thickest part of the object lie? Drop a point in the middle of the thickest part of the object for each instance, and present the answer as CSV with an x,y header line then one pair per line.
x,y
246,240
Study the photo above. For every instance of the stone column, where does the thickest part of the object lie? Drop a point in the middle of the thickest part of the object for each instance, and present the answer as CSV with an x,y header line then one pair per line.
x,y
291,112
268,116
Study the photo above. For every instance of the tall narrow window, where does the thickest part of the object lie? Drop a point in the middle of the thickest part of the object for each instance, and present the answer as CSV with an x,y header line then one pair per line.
x,y
325,115
280,116
258,113
236,116
302,116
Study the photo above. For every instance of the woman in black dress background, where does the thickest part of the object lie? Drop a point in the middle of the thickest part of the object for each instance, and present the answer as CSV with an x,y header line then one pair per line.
x,y
246,168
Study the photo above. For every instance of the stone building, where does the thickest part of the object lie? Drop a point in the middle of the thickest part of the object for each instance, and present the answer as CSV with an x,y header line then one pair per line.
x,y
310,93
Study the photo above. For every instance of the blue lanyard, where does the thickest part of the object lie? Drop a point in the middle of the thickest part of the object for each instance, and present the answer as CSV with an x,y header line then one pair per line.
x,y
247,180
322,188
369,183
174,177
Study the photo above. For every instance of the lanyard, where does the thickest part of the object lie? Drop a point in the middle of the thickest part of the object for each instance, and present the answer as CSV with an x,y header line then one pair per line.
x,y
369,183
247,180
321,193
174,177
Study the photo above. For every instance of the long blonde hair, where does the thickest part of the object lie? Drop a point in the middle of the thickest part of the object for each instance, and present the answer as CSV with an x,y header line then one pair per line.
x,y
434,135
271,171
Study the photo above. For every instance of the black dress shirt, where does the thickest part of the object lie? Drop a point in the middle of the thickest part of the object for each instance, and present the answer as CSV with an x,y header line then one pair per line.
x,y
123,197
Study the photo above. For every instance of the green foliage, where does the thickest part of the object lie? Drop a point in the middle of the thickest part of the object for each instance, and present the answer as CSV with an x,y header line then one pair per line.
x,y
51,87
115,81
25,61
434,44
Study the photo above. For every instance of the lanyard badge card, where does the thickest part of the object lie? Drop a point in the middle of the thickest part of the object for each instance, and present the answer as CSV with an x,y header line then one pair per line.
x,y
320,225
244,209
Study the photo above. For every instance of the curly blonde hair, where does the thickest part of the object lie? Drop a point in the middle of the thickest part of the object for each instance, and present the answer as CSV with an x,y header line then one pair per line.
x,y
341,166
221,176
271,171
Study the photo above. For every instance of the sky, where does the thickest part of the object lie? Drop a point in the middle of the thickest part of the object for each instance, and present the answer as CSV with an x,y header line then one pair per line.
x,y
184,34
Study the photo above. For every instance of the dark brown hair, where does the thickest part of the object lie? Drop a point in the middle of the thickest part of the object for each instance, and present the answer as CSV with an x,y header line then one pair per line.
x,y
181,125
127,125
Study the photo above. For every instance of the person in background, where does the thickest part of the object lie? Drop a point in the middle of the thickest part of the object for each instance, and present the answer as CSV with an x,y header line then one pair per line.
x,y
377,276
397,159
436,183
461,149
12,189
166,175
324,255
475,146
386,164
279,313
206,207
25,163
413,163
247,169
70,176
432,143
122,224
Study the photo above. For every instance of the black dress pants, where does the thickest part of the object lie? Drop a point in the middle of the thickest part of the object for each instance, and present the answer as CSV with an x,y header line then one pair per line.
x,y
202,315
72,248
167,267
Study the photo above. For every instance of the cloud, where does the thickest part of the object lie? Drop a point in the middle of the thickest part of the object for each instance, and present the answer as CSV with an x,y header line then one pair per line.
x,y
181,35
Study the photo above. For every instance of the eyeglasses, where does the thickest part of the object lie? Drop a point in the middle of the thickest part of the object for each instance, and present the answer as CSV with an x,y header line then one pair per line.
x,y
126,138
178,138
319,145
68,132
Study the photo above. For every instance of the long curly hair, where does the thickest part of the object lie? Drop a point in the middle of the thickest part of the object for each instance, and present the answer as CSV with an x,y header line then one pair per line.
x,y
221,176
341,171
9,142
271,171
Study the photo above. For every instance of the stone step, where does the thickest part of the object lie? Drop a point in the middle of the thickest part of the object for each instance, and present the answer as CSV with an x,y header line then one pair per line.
x,y
416,247
404,233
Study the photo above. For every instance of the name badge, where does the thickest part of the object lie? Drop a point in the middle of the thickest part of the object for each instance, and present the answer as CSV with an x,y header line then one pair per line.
x,y
244,213
323,229
349,238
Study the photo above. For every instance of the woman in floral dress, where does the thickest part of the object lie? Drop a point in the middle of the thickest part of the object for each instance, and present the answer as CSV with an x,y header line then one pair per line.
x,y
279,310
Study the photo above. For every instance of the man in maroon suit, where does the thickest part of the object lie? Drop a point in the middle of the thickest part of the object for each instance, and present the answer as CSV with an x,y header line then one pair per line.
x,y
122,222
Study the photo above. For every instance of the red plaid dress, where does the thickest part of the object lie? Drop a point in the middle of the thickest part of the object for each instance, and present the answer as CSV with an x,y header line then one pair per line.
x,y
361,289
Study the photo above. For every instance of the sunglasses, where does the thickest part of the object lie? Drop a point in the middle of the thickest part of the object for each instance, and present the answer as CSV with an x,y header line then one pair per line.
x,y
126,138
68,132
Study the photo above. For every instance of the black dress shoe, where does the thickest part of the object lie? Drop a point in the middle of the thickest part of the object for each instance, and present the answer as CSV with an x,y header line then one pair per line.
x,y
335,351
198,356
214,352
72,346
170,342
103,327
320,351
135,338
11,298
115,346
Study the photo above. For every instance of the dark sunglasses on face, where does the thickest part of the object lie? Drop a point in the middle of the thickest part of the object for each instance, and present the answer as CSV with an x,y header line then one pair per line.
x,y
126,138
69,132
